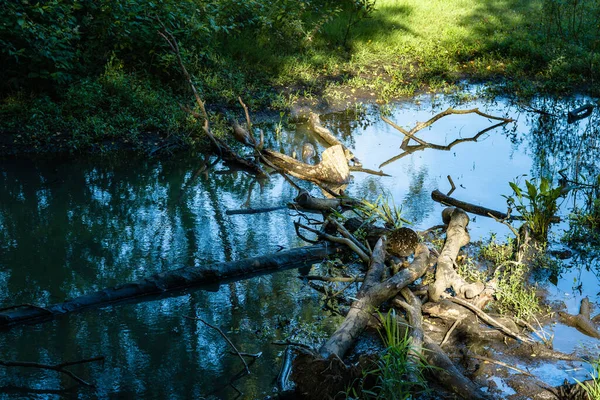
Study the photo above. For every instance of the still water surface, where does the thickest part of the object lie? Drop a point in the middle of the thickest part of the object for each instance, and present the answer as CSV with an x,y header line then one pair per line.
x,y
67,228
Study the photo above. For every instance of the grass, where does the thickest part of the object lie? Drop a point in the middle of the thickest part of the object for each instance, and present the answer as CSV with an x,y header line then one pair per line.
x,y
405,46
592,389
393,369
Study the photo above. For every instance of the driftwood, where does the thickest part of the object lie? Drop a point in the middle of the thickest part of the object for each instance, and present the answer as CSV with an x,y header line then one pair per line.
x,y
445,276
361,310
422,145
333,167
315,124
581,321
475,209
171,280
307,202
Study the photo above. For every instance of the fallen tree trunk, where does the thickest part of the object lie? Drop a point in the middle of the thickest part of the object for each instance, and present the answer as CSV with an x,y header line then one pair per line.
x,y
445,275
333,168
362,309
315,124
440,197
171,280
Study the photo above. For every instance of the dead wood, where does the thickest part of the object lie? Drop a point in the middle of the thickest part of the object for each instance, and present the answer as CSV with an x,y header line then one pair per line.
x,y
582,321
447,374
224,336
164,282
412,306
56,367
315,124
330,238
368,171
491,321
307,202
422,145
376,269
446,277
497,362
438,196
246,211
362,309
333,167
469,326
344,232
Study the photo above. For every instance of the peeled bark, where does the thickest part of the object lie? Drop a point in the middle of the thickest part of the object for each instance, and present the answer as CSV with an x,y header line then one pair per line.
x,y
445,276
325,134
169,281
332,169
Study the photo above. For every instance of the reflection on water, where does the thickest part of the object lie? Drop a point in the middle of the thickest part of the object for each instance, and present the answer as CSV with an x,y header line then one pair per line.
x,y
67,228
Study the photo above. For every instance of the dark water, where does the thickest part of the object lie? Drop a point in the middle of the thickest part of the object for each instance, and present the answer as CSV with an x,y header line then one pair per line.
x,y
67,228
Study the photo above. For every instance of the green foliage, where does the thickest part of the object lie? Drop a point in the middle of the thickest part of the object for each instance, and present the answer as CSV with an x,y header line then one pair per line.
x,y
383,209
394,368
470,271
514,296
537,204
96,113
592,389
497,253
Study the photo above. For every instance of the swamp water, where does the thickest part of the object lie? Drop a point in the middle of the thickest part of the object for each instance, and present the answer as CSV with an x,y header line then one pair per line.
x,y
67,228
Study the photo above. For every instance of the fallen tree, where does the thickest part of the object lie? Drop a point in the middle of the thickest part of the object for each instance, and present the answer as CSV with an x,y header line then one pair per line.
x,y
164,282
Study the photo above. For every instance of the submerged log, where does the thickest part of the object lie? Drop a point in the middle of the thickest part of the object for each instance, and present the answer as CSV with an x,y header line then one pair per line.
x,y
445,275
332,169
169,281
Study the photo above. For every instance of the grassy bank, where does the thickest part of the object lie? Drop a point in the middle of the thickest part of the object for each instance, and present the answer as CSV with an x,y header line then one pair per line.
x,y
83,75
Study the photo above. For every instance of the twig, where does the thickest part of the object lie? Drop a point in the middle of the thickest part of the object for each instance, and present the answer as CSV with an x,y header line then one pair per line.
x,y
57,367
452,185
447,335
367,171
334,239
342,229
251,355
503,364
224,337
491,321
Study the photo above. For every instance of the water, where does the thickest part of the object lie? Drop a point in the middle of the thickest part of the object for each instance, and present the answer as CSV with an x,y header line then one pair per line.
x,y
70,227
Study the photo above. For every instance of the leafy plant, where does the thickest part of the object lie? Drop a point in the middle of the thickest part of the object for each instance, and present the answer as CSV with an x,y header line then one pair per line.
x,y
384,209
592,389
394,367
513,296
537,203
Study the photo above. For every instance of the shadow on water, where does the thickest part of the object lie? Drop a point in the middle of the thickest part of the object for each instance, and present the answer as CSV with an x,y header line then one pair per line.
x,y
71,228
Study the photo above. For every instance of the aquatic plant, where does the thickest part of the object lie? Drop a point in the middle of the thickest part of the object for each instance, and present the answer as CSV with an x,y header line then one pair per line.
x,y
513,295
592,388
537,204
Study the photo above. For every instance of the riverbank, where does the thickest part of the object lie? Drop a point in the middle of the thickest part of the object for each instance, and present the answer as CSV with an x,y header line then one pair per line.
x,y
127,93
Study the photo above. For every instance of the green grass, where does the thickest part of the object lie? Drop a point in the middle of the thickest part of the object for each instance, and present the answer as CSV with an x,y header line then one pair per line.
x,y
406,46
